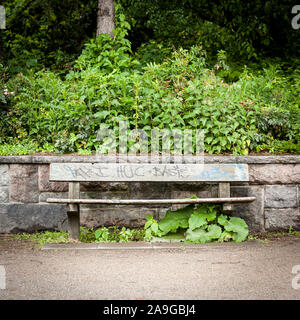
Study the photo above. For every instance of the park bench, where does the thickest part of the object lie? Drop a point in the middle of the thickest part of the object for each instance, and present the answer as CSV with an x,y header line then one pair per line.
x,y
74,173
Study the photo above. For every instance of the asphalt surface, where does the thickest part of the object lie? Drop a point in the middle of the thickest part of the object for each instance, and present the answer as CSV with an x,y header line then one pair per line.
x,y
249,270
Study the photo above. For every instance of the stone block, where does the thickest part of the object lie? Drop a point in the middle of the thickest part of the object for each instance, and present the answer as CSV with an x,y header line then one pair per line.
x,y
101,195
104,186
149,190
45,195
128,216
104,195
24,185
193,186
16,217
85,195
45,185
4,194
4,175
252,212
281,196
180,194
162,212
282,219
274,173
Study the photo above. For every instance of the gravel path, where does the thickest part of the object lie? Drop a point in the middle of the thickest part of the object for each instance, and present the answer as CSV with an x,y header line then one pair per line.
x,y
249,270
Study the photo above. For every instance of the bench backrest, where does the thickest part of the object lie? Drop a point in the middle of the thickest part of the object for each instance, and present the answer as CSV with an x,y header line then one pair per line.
x,y
134,172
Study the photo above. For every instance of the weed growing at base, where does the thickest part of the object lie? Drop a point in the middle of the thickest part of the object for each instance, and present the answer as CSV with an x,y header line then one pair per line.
x,y
199,224
103,234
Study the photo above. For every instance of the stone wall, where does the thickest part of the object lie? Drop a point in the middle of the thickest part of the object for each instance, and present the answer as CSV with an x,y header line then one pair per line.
x,y
25,187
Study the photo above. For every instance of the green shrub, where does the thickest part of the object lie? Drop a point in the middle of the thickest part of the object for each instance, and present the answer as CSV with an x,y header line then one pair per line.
x,y
201,224
256,112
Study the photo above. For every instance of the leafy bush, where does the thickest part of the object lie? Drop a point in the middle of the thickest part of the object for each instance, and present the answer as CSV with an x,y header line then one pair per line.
x,y
245,30
202,224
45,33
259,111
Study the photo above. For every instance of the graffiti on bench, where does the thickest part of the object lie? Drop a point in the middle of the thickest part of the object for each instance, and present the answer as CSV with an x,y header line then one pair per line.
x,y
148,172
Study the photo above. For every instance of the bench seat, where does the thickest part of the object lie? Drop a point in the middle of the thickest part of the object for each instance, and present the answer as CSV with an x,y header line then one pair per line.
x,y
152,201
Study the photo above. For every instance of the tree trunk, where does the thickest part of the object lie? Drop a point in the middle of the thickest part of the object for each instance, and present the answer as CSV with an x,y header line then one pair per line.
x,y
105,17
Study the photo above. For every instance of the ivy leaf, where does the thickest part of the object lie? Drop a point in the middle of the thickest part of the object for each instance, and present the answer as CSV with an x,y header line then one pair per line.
x,y
176,219
202,236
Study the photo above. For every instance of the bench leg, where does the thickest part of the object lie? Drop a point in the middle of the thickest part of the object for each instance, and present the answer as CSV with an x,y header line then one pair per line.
x,y
73,221
74,212
224,192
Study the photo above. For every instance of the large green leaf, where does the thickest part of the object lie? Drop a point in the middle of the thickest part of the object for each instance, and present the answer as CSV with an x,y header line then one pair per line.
x,y
207,212
197,220
236,225
154,227
176,219
222,220
202,236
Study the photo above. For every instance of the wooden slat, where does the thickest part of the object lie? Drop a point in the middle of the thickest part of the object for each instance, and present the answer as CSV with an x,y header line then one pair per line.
x,y
152,201
148,172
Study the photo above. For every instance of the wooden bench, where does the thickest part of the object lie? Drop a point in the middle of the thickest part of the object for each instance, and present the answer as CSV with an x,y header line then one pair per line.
x,y
74,173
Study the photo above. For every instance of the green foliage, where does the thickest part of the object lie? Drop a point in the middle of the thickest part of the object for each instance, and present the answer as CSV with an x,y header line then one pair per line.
x,y
245,30
44,237
293,232
52,33
103,234
45,33
17,149
65,115
202,224
153,52
236,227
151,227
241,110
106,54
175,219
111,234
202,235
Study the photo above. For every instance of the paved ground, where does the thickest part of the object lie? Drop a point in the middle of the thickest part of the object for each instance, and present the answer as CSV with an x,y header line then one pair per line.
x,y
249,270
